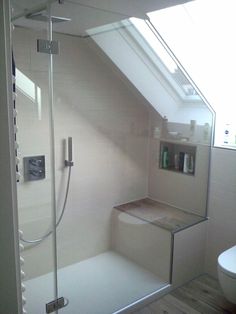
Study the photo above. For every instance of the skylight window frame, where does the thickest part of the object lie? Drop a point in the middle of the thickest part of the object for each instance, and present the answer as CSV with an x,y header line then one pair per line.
x,y
191,22
159,64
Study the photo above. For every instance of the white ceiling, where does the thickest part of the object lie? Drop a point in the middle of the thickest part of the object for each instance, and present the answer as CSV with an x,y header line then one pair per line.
x,y
86,14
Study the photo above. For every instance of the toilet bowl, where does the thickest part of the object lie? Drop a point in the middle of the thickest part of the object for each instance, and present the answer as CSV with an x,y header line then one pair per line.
x,y
227,273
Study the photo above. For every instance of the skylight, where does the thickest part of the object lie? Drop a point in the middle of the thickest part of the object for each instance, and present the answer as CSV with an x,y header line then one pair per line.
x,y
139,52
201,34
172,72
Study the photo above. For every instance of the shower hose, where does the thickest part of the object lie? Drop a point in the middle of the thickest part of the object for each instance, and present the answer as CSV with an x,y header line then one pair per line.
x,y
39,240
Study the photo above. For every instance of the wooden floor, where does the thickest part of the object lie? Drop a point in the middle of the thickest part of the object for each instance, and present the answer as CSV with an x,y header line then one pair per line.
x,y
202,295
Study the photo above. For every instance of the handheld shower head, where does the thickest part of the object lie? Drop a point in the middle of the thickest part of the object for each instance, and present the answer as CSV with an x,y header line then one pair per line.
x,y
69,162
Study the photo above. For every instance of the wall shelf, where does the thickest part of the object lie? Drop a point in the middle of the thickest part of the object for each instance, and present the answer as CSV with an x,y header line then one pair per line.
x,y
178,157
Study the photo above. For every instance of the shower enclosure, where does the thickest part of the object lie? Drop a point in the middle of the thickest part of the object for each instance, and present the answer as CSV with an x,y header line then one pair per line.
x,y
112,158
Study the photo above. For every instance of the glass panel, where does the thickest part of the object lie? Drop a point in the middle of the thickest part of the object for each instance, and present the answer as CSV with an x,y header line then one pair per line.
x,y
162,59
108,256
179,116
186,30
188,33
34,158
132,145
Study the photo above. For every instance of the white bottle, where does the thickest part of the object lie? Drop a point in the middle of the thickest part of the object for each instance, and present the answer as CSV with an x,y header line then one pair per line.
x,y
192,129
227,134
164,127
206,132
191,164
186,163
156,132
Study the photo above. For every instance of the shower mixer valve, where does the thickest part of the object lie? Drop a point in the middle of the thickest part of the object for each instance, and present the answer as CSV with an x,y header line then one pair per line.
x,y
34,168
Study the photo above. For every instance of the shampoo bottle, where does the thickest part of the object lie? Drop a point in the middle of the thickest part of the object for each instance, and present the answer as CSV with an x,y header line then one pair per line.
x,y
186,163
191,164
165,158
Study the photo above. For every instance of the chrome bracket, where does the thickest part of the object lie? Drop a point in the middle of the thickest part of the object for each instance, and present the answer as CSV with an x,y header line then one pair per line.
x,y
56,305
47,46
69,163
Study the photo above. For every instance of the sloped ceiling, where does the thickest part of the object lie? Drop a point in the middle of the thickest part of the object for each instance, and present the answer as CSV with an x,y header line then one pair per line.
x,y
89,14
86,14
136,8
130,58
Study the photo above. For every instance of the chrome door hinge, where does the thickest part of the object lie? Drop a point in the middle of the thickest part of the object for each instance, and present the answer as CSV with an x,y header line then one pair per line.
x,y
47,46
56,305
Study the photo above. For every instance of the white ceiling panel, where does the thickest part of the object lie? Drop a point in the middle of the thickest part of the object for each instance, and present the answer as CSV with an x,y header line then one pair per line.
x,y
87,14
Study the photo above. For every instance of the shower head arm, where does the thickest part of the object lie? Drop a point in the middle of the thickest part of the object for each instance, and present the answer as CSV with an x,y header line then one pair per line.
x,y
36,9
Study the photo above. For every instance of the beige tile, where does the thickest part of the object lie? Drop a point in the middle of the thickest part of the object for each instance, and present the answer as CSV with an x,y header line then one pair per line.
x,y
109,129
222,213
142,242
189,253
186,192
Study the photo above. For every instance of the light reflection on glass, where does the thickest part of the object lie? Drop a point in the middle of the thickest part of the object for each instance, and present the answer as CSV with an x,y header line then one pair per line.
x,y
201,34
29,89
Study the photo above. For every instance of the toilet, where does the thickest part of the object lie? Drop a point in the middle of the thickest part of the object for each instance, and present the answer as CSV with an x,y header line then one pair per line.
x,y
227,273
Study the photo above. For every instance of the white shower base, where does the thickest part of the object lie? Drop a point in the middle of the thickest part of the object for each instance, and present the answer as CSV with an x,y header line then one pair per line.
x,y
99,285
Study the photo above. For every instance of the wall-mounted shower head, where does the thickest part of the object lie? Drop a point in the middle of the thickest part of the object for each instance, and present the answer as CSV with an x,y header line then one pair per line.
x,y
44,18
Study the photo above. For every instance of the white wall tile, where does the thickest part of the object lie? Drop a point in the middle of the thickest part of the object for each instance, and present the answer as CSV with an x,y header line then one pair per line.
x,y
189,253
222,207
144,243
177,189
109,127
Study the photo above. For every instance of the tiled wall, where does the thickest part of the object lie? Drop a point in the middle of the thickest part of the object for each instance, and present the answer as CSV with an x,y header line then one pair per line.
x,y
142,242
183,191
189,253
109,126
222,206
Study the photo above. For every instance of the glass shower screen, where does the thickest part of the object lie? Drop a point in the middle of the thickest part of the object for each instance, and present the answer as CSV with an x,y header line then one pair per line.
x,y
35,154
108,258
114,145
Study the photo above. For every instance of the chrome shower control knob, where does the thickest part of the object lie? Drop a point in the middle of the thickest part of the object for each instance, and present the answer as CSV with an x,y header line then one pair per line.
x,y
23,287
22,274
22,261
17,160
21,246
15,112
15,128
16,145
23,300
12,27
18,175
